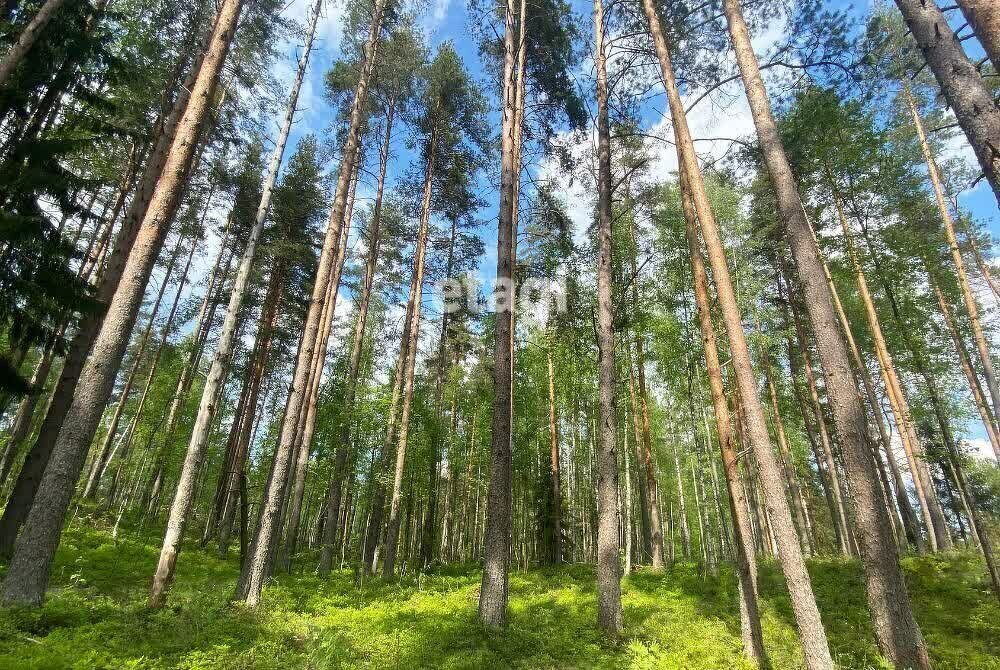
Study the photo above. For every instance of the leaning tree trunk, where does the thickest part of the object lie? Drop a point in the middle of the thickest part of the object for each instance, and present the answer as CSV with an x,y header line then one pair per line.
x,y
897,397
896,630
269,517
334,489
967,369
99,466
35,463
971,308
413,333
817,651
744,550
962,85
308,418
27,39
493,593
206,317
609,593
28,574
184,496
941,530
909,517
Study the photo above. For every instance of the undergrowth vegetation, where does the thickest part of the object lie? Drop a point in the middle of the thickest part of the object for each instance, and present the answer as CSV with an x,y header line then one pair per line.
x,y
96,617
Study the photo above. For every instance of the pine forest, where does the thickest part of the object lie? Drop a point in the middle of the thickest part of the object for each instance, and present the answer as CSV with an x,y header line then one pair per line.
x,y
465,334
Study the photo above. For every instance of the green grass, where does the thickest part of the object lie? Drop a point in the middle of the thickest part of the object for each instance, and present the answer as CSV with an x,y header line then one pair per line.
x,y
95,617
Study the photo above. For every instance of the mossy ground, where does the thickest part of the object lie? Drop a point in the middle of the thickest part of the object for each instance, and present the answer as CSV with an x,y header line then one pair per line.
x,y
95,617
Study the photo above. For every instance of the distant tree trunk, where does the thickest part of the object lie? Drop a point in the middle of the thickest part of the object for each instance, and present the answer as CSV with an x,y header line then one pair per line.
x,y
268,526
29,35
206,317
555,510
896,630
103,456
681,503
493,593
791,475
413,333
984,17
839,510
650,493
744,550
609,597
626,515
258,365
971,308
428,539
332,506
962,85
644,507
28,574
379,472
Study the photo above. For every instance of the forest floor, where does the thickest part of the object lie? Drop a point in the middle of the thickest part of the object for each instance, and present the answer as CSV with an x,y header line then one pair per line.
x,y
95,617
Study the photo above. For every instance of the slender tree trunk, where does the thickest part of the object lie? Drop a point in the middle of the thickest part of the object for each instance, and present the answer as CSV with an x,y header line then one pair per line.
x,y
99,466
745,552
269,518
896,630
413,332
609,597
29,35
941,530
184,496
967,369
791,475
909,517
838,511
428,540
971,308
650,499
357,346
963,87
28,574
555,509
894,390
493,593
